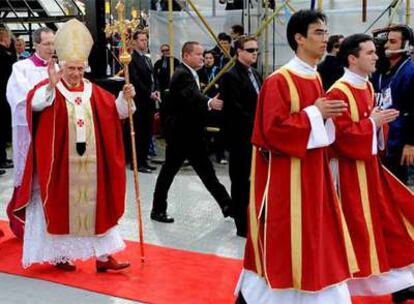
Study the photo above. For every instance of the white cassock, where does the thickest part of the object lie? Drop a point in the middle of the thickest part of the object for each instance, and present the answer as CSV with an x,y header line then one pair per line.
x,y
25,75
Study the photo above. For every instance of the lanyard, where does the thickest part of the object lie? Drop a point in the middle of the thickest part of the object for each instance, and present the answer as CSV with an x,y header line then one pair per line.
x,y
393,76
210,76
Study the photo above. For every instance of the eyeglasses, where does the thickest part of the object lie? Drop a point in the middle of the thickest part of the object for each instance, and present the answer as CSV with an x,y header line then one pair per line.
x,y
251,50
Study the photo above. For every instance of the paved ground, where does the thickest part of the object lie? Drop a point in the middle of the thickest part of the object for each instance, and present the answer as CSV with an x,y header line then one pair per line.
x,y
199,226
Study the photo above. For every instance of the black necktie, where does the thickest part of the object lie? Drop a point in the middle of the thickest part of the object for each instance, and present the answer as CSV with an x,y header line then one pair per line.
x,y
253,80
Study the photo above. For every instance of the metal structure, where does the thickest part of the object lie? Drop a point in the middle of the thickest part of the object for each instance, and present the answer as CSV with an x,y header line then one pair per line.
x,y
24,16
260,10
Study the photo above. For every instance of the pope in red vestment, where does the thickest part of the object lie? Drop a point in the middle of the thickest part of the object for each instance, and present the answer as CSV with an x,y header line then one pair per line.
x,y
49,152
73,188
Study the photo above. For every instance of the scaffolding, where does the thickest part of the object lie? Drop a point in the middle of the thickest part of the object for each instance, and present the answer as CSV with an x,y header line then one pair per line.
x,y
22,17
268,21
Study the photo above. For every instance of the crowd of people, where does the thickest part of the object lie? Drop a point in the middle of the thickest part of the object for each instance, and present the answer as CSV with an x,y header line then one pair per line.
x,y
318,153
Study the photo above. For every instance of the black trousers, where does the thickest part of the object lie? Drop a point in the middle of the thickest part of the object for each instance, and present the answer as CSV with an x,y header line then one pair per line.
x,y
196,153
5,127
143,120
240,299
239,171
392,163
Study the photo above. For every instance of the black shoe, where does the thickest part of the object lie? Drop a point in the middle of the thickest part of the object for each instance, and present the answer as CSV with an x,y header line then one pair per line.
x,y
2,171
144,169
241,233
403,295
227,211
7,164
240,299
161,217
151,167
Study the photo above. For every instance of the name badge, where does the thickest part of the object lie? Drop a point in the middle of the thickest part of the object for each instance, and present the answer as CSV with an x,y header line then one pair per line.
x,y
384,99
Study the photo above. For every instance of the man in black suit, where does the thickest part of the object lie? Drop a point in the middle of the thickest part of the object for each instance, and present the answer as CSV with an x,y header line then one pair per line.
x,y
331,68
143,79
7,58
185,111
232,4
221,59
239,88
162,67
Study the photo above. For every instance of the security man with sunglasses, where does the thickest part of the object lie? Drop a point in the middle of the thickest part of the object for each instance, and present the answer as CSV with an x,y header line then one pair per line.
x,y
239,88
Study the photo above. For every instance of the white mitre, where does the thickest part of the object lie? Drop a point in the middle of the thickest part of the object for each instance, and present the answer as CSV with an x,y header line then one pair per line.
x,y
73,42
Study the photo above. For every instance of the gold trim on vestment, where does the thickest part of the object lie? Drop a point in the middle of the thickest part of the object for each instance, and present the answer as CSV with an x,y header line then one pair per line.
x,y
409,227
362,181
254,227
295,193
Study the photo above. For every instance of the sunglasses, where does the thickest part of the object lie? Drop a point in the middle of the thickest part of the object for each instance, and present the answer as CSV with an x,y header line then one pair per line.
x,y
165,50
251,50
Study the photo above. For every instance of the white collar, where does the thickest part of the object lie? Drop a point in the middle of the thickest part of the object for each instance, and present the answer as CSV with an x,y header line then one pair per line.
x,y
194,72
354,78
299,66
40,58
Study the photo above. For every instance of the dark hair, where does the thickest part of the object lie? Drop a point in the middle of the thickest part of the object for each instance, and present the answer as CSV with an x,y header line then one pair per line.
x,y
333,41
299,24
37,34
209,52
406,33
139,32
188,47
238,29
351,46
164,44
239,43
224,36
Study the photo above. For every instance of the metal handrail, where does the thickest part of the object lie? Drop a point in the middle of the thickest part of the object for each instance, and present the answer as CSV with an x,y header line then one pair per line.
x,y
77,7
15,13
31,12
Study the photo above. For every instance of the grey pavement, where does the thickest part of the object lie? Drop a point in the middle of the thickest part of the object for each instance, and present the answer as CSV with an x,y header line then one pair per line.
x,y
199,226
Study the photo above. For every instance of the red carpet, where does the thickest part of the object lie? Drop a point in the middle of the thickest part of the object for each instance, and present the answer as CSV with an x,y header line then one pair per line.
x,y
167,276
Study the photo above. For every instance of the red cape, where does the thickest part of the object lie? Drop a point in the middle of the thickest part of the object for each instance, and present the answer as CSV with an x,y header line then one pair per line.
x,y
48,153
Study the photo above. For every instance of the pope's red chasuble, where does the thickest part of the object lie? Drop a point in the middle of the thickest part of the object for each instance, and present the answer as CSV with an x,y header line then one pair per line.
x,y
82,193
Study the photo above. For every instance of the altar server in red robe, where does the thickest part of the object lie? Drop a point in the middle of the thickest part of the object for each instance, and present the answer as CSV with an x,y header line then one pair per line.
x,y
298,250
73,188
378,209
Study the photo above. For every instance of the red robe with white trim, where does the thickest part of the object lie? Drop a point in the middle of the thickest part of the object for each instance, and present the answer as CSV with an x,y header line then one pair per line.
x,y
378,208
296,235
48,152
